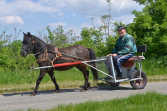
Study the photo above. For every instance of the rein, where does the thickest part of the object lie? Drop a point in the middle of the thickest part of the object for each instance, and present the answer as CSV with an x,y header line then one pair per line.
x,y
35,54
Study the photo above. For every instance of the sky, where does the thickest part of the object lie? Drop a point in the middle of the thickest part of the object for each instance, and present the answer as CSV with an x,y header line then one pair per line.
x,y
35,15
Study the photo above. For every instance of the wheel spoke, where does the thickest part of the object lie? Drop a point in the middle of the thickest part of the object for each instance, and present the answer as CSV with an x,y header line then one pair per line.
x,y
139,83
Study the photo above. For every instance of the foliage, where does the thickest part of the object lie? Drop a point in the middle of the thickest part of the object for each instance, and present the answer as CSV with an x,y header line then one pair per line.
x,y
61,39
93,39
149,26
144,1
57,37
110,43
10,58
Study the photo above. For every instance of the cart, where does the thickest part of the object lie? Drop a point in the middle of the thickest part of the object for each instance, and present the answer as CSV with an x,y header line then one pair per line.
x,y
137,77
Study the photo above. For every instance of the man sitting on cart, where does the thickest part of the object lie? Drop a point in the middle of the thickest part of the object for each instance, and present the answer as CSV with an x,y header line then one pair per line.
x,y
124,49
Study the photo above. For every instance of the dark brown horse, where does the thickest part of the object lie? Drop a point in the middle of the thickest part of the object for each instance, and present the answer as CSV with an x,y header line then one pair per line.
x,y
48,55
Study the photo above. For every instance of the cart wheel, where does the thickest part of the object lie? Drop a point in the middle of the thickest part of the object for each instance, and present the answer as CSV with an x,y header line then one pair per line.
x,y
114,84
140,83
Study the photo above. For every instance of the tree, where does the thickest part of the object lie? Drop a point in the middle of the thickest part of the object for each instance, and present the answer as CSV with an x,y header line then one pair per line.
x,y
109,9
106,20
93,39
10,58
150,26
57,37
144,2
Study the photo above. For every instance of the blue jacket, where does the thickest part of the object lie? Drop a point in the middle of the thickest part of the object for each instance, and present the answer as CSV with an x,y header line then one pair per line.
x,y
125,45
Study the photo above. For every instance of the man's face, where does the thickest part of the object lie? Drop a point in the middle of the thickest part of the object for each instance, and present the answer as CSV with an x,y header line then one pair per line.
x,y
122,32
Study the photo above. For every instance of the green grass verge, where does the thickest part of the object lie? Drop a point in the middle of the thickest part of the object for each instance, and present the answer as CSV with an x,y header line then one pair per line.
x,y
151,101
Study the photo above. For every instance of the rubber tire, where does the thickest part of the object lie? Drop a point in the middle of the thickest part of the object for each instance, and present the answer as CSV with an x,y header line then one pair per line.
x,y
135,82
114,84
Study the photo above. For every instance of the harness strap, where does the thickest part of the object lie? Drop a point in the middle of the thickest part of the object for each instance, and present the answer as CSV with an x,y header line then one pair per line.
x,y
44,57
40,58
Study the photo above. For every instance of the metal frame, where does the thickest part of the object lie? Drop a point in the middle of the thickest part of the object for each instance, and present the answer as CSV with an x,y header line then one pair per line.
x,y
114,75
124,79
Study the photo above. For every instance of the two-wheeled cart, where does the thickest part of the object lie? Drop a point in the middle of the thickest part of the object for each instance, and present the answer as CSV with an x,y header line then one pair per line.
x,y
137,77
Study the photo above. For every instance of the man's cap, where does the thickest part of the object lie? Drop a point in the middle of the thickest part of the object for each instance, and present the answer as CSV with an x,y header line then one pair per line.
x,y
121,27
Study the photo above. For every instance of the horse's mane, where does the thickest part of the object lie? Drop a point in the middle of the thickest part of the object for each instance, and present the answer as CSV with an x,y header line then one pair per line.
x,y
44,44
38,39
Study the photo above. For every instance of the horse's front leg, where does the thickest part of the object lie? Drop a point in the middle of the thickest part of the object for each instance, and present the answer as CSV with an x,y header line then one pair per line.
x,y
41,75
51,74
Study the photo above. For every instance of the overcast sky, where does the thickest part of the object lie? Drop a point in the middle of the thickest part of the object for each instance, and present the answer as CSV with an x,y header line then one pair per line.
x,y
36,15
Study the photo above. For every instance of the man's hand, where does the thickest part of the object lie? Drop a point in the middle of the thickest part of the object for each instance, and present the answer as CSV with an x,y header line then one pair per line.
x,y
109,55
112,55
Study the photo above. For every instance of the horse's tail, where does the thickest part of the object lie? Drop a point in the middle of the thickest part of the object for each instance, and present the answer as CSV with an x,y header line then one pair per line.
x,y
93,56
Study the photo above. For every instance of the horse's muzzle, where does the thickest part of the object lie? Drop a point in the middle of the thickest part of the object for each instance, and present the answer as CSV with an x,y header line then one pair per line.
x,y
23,54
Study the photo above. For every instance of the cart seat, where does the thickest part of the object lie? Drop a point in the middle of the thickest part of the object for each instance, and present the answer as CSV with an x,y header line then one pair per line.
x,y
129,63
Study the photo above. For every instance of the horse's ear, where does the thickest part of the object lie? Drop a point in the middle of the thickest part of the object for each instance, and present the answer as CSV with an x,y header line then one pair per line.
x,y
29,34
23,33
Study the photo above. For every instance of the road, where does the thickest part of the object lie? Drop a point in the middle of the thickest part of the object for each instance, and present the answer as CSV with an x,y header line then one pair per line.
x,y
47,99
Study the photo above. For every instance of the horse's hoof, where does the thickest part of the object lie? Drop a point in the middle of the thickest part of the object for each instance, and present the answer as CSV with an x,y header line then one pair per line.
x,y
83,90
32,94
88,87
56,91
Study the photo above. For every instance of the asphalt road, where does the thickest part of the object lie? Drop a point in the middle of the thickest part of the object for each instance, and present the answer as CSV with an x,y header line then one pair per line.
x,y
47,99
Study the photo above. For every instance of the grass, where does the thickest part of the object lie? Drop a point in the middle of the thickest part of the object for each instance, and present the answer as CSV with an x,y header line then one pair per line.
x,y
24,80
155,66
29,76
151,101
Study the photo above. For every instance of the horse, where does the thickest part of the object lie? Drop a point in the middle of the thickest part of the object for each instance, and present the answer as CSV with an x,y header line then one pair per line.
x,y
47,55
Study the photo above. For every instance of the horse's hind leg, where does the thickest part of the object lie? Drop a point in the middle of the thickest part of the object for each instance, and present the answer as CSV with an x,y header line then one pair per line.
x,y
86,76
51,74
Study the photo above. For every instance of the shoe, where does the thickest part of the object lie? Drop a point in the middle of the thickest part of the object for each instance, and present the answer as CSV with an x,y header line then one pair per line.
x,y
107,78
119,77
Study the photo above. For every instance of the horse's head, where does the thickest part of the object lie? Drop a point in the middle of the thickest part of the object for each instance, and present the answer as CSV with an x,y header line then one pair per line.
x,y
28,44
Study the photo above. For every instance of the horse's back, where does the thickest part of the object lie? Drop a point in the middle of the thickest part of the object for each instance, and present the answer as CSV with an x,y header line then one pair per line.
x,y
78,47
79,51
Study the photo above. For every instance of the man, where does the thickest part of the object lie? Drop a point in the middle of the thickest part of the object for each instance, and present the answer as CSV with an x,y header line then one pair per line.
x,y
125,48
